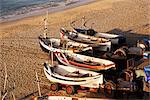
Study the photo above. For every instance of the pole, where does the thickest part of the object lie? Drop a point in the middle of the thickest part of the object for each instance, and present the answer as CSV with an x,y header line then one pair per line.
x,y
51,55
51,46
92,25
13,95
5,81
0,94
14,98
4,96
83,20
45,25
38,84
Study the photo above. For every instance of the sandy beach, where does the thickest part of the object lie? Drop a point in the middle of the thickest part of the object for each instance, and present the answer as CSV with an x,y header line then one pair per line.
x,y
20,51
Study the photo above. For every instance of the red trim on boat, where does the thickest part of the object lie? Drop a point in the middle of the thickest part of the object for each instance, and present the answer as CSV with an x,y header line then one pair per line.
x,y
85,65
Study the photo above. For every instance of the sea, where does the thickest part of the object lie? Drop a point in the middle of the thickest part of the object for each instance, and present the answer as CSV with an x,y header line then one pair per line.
x,y
10,7
16,9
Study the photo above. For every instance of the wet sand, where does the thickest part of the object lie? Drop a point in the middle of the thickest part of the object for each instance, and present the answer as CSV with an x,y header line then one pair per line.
x,y
21,53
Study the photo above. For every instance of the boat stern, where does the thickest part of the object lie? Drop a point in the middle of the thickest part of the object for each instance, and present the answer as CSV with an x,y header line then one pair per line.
x,y
95,83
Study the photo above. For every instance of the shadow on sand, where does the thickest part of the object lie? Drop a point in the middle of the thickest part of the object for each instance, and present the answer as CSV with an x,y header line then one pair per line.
x,y
131,37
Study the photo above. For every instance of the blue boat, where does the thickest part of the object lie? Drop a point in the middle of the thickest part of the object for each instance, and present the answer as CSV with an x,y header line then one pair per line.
x,y
147,72
114,38
146,55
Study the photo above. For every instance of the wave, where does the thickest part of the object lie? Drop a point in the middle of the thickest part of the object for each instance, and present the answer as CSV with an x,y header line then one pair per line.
x,y
37,8
16,7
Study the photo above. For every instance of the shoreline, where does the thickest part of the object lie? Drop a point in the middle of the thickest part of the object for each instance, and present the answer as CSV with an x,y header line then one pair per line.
x,y
43,11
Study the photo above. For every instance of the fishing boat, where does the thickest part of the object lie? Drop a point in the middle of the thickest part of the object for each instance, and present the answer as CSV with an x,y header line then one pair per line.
x,y
72,76
68,57
65,45
144,44
115,39
72,46
146,55
84,62
101,44
69,2
147,72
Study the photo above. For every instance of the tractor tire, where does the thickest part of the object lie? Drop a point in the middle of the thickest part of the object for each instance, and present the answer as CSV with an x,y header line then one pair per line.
x,y
54,87
110,89
127,75
70,90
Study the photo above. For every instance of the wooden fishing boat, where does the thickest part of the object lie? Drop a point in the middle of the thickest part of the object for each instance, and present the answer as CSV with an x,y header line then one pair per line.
x,y
115,39
101,43
85,62
72,76
72,46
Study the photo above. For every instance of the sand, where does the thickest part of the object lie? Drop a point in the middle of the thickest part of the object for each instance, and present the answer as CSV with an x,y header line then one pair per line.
x,y
22,55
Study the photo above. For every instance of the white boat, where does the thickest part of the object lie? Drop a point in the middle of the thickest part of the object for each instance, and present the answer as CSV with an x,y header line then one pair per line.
x,y
101,43
115,39
72,46
51,97
84,62
46,42
69,2
72,76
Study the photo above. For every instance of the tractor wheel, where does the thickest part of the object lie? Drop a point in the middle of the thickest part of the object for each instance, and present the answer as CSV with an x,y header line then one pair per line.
x,y
121,52
127,75
99,90
54,87
109,89
70,90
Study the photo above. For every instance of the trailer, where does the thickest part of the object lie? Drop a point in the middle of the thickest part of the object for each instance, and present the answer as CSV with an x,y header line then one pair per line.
x,y
72,78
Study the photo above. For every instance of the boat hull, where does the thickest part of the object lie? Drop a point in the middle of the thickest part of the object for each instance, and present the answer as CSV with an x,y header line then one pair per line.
x,y
45,45
114,38
91,82
79,61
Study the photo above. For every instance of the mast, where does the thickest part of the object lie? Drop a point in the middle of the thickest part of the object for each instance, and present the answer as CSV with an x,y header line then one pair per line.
x,y
52,56
82,21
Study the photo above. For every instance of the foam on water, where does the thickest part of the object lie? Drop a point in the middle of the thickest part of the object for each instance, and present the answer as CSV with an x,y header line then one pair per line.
x,y
17,9
10,7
